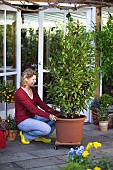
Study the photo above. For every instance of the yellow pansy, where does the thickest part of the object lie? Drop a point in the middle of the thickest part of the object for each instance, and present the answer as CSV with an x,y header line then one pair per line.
x,y
85,154
97,168
89,146
97,144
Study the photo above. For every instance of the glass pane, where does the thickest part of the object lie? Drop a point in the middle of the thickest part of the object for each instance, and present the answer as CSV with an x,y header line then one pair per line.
x,y
29,48
107,85
29,40
11,105
1,39
46,80
10,40
10,79
50,22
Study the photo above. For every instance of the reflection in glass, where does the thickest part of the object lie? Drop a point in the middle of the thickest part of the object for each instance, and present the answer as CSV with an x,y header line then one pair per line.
x,y
10,39
29,48
10,79
1,39
51,21
46,80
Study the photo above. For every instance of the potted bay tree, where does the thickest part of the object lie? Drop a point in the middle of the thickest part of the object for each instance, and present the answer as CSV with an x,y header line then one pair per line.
x,y
74,78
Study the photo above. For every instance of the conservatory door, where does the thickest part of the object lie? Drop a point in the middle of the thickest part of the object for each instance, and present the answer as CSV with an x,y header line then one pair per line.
x,y
47,22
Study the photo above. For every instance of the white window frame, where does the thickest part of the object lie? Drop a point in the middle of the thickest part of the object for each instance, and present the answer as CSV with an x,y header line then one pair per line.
x,y
17,70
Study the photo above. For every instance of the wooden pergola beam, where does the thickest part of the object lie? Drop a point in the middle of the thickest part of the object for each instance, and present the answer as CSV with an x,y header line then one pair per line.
x,y
98,26
89,2
55,4
70,1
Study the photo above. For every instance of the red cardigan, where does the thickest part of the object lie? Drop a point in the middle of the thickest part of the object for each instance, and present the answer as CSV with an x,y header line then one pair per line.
x,y
25,107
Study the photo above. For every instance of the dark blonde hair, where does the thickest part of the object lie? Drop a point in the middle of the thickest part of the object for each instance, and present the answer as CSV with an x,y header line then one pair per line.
x,y
28,73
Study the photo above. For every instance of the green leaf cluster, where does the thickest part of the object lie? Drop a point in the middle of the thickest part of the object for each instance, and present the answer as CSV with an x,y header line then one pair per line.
x,y
10,122
104,40
73,69
72,166
104,102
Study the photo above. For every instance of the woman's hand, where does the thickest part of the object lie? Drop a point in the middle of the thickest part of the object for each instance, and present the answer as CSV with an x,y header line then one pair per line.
x,y
52,117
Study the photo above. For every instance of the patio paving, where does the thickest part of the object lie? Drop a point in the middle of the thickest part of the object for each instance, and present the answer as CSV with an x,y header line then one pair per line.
x,y
41,156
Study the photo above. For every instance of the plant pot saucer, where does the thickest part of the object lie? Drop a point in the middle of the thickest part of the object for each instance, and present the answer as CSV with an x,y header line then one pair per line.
x,y
57,143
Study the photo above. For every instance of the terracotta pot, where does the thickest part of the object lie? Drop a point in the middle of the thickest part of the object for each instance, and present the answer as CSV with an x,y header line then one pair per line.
x,y
110,121
12,135
95,117
2,140
103,126
69,131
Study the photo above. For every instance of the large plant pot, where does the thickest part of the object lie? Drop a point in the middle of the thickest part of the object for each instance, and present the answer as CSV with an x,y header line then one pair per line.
x,y
2,140
69,131
103,126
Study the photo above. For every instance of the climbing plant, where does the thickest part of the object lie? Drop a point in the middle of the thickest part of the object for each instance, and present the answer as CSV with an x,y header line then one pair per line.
x,y
104,41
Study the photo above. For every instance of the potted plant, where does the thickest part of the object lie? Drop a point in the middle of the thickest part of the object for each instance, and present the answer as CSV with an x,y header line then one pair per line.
x,y
103,113
100,108
7,92
12,129
94,107
74,78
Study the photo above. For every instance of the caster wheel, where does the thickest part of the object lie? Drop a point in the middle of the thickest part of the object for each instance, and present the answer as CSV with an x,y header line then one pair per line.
x,y
55,147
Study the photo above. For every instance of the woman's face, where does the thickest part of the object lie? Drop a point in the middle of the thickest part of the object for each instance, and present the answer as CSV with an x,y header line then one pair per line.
x,y
31,81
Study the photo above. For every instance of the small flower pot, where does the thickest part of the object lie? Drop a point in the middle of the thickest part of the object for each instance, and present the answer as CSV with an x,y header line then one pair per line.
x,y
12,135
103,126
2,140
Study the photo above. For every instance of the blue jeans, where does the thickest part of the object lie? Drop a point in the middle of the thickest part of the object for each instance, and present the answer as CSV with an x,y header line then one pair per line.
x,y
37,127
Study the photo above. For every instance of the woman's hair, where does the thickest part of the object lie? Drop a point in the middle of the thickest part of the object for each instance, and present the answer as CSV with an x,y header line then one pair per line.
x,y
28,73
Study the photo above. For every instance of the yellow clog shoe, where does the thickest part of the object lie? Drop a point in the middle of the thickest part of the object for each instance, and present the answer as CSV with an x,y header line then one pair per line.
x,y
42,139
23,140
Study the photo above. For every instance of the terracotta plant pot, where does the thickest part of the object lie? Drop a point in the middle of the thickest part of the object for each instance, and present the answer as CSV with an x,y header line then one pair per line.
x,y
95,117
103,126
2,140
12,135
110,121
69,131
